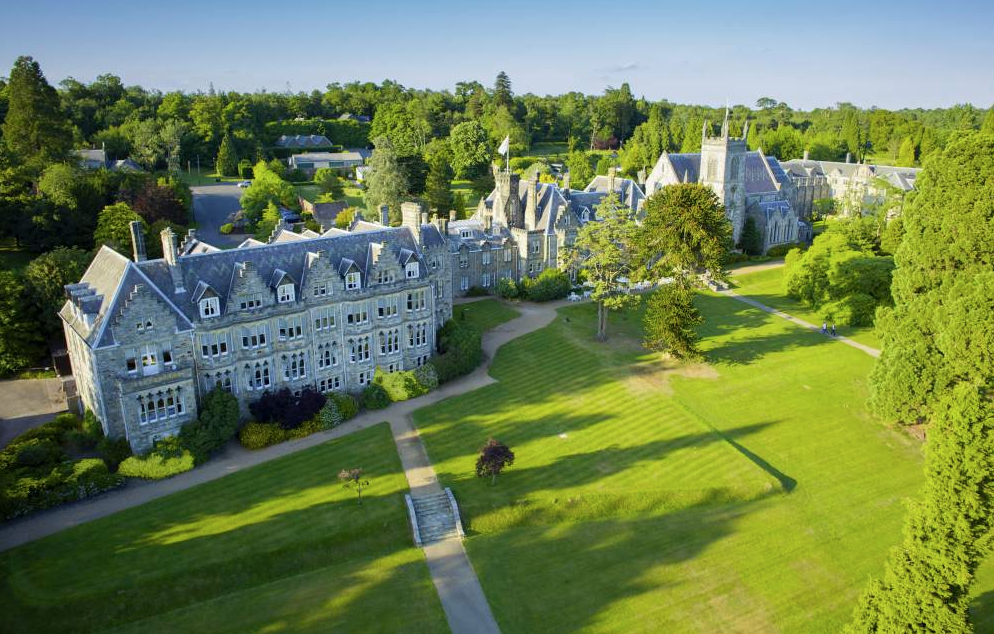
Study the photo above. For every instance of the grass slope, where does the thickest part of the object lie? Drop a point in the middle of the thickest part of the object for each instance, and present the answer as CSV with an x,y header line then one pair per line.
x,y
484,314
767,287
752,493
278,547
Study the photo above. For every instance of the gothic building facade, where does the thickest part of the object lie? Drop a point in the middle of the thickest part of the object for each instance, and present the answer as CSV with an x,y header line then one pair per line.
x,y
147,338
748,183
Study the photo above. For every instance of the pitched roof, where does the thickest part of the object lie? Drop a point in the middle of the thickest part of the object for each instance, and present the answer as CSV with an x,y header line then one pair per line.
x,y
303,141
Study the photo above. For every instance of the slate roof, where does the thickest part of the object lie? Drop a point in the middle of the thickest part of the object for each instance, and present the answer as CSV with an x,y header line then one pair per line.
x,y
325,213
326,157
550,199
111,277
628,190
903,177
303,141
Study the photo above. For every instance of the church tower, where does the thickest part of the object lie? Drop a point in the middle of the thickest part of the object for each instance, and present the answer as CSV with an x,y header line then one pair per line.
x,y
507,203
723,170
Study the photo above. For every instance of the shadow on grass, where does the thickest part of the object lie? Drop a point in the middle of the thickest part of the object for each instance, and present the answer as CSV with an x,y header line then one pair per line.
x,y
982,612
565,577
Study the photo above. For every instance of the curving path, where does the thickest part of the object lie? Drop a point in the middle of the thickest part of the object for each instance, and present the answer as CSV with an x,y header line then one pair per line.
x,y
462,598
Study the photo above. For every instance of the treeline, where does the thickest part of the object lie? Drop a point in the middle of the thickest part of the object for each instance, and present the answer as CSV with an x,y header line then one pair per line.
x,y
173,129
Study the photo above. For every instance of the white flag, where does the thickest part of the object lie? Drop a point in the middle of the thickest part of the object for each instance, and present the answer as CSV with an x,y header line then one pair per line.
x,y
505,145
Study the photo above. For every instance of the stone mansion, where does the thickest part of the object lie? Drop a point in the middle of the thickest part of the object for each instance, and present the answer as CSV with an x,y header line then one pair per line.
x,y
148,338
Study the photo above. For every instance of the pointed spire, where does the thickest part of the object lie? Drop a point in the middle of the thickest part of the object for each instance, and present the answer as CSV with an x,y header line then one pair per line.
x,y
745,130
724,125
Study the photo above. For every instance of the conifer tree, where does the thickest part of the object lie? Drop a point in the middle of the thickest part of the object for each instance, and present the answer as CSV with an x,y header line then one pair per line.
x,y
35,130
387,182
227,157
935,367
906,154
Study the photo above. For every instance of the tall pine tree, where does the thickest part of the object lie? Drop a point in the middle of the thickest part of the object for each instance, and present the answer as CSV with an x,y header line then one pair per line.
x,y
227,157
35,131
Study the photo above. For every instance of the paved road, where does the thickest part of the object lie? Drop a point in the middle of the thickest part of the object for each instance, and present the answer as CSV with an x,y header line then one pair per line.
x,y
213,206
873,352
28,403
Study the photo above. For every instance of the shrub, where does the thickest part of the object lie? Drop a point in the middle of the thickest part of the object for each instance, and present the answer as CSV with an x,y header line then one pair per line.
x,y
550,285
399,386
375,397
476,291
286,409
507,289
255,435
460,351
347,405
781,250
330,416
427,377
114,451
37,453
310,426
227,228
217,424
156,466
297,175
91,426
25,492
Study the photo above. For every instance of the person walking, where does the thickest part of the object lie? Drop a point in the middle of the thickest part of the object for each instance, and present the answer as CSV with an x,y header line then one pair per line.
x,y
824,328
833,330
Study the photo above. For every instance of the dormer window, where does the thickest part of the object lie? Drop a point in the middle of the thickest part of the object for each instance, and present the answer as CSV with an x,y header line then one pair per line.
x,y
411,270
466,233
209,307
352,280
285,293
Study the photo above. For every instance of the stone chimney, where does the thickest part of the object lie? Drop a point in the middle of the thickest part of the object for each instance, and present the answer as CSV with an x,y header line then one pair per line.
x,y
452,215
807,155
531,203
848,157
385,215
411,218
612,173
138,241
641,178
565,188
424,217
171,255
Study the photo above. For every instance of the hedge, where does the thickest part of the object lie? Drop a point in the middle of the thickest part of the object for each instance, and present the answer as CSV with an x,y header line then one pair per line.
x,y
375,397
156,466
550,285
255,435
68,481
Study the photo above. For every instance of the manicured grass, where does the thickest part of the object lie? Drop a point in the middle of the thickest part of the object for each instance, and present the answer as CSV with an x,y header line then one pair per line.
x,y
767,287
484,314
308,191
750,493
278,547
205,176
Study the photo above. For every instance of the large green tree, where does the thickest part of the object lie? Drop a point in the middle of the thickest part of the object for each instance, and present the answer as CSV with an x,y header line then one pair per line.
x,y
47,276
227,157
684,232
604,252
670,320
35,129
438,185
937,367
471,152
386,183
114,227
21,341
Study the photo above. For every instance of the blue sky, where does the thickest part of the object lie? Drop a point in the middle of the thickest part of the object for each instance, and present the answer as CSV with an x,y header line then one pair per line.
x,y
809,54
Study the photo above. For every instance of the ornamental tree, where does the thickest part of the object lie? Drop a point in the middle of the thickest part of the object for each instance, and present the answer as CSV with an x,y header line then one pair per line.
x,y
603,250
353,480
494,456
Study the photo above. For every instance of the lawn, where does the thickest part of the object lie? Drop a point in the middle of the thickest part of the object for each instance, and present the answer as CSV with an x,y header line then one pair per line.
x,y
749,493
14,259
281,547
484,314
767,287
205,176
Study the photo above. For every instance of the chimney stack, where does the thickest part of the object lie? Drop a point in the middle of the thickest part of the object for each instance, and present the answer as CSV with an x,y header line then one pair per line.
x,y
452,215
611,174
171,255
385,215
807,155
848,157
411,218
566,183
138,241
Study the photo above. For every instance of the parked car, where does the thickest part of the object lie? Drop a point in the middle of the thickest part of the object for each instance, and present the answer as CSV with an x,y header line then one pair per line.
x,y
244,183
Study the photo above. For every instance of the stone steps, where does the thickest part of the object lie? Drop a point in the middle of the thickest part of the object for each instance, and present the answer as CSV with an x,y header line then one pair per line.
x,y
436,519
